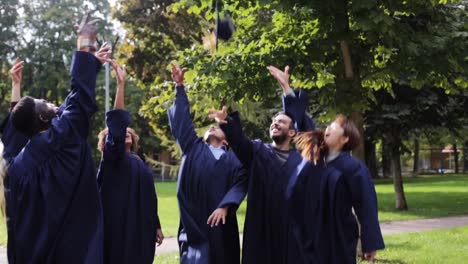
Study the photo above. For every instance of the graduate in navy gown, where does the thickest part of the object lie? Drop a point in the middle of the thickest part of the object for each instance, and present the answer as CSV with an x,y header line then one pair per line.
x,y
273,169
52,202
305,207
345,183
211,185
131,223
353,190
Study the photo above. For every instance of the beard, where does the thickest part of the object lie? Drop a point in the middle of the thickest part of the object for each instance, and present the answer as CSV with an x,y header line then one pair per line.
x,y
279,139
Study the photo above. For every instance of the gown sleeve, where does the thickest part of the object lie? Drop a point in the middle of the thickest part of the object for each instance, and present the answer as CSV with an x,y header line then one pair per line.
x,y
364,201
180,121
240,144
296,105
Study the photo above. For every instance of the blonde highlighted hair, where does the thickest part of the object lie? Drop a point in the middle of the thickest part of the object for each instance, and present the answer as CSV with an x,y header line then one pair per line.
x,y
102,139
311,144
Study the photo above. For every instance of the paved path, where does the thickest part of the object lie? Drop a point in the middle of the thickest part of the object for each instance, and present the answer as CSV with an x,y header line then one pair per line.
x,y
170,244
423,224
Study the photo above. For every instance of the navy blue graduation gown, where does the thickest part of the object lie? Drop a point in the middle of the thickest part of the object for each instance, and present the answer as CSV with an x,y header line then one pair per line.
x,y
128,198
351,188
14,140
297,107
53,205
304,193
306,214
205,184
266,222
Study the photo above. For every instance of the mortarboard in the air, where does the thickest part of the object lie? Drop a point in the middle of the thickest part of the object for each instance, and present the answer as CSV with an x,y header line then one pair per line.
x,y
224,27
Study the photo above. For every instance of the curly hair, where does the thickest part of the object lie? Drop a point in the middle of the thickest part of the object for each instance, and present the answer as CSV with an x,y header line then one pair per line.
x,y
102,138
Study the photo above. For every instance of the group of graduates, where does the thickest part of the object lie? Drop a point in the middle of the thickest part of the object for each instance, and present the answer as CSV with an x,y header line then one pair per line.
x,y
302,205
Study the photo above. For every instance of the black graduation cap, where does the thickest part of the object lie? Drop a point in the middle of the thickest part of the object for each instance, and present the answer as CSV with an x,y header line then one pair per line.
x,y
224,27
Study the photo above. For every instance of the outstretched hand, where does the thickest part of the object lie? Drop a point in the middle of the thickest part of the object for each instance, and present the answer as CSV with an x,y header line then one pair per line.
x,y
282,77
120,72
104,53
217,216
87,27
177,74
218,115
16,71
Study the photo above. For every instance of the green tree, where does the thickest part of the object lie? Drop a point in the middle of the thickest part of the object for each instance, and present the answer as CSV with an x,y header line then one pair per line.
x,y
8,41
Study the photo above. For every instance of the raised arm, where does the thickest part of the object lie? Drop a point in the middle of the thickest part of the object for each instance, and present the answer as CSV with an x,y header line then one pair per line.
x,y
120,74
117,120
179,114
16,73
296,105
14,140
294,102
364,201
232,127
80,104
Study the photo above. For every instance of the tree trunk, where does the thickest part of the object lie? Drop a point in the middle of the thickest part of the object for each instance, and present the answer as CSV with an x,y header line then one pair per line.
x,y
393,140
455,157
358,120
371,159
465,156
416,156
385,158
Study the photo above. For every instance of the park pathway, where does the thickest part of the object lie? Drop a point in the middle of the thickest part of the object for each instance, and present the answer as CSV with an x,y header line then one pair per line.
x,y
397,227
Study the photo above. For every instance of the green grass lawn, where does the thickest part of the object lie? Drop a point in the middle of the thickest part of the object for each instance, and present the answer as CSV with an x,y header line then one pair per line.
x,y
434,247
427,196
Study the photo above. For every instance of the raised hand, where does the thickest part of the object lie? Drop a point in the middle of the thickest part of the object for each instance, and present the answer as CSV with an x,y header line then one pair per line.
x,y
87,27
218,115
177,74
16,72
120,73
217,216
104,53
282,77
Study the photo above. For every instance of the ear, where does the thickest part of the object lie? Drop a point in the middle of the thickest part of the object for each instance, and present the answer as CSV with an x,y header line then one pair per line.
x,y
225,143
344,140
291,133
43,119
